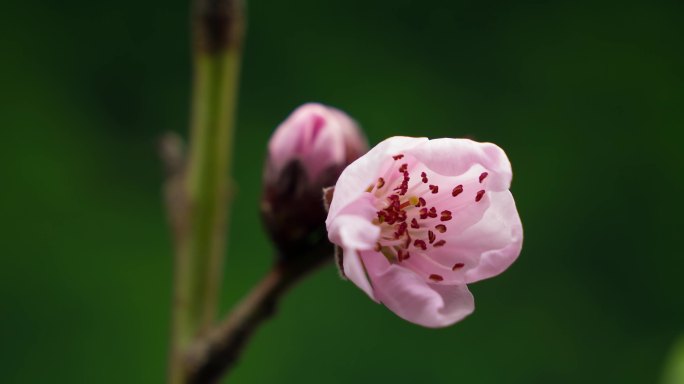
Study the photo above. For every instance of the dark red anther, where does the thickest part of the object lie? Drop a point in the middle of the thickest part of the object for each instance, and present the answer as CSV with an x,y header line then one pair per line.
x,y
401,229
435,277
421,202
441,228
420,244
423,177
423,213
414,223
407,255
479,195
403,168
397,157
457,266
431,237
445,216
457,190
439,243
382,216
483,175
401,216
403,187
432,213
434,188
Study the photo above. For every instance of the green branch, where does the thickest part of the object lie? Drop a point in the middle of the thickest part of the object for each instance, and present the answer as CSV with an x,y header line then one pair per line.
x,y
197,200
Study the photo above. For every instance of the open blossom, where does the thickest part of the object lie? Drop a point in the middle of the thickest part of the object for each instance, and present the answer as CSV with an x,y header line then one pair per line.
x,y
306,153
418,219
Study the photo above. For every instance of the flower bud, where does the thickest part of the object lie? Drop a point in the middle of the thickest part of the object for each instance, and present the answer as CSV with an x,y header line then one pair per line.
x,y
306,153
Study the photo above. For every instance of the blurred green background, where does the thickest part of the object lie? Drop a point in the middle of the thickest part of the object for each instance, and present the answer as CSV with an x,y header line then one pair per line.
x,y
586,97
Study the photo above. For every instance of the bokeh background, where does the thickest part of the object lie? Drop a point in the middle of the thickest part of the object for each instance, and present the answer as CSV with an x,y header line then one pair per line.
x,y
586,97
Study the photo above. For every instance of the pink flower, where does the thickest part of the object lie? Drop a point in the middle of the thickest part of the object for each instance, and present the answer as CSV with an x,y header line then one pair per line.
x,y
306,153
418,219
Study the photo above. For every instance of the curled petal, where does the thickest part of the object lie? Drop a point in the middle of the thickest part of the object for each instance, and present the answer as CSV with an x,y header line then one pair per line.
x,y
353,226
355,271
353,231
413,299
364,171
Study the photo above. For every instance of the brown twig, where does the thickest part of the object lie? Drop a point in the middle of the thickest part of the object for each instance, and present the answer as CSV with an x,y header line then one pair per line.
x,y
209,358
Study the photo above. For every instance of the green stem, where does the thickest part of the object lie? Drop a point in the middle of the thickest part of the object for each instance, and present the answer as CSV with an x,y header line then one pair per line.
x,y
207,179
200,242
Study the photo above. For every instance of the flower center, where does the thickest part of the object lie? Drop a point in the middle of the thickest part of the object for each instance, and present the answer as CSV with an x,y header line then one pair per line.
x,y
408,212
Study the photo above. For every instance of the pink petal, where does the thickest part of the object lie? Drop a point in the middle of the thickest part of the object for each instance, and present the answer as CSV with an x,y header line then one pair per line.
x,y
453,157
353,226
353,230
354,270
494,243
413,299
354,180
482,249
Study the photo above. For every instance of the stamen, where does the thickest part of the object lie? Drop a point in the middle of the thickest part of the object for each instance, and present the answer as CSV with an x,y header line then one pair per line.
x,y
423,213
457,266
483,175
479,195
396,204
435,277
381,216
389,255
402,254
407,241
401,229
446,216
